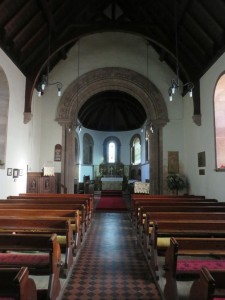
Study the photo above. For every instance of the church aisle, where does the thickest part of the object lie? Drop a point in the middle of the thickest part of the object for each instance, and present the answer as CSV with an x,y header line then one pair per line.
x,y
110,264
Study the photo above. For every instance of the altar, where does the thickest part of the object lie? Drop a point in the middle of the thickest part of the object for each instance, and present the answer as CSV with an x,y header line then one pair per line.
x,y
112,183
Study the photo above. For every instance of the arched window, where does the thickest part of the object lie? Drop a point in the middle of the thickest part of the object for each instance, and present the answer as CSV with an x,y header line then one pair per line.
x,y
87,149
219,113
135,149
111,150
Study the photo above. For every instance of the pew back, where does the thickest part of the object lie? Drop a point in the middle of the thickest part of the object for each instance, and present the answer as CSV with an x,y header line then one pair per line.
x,y
90,197
141,215
61,226
87,215
5,204
189,247
140,208
45,262
163,231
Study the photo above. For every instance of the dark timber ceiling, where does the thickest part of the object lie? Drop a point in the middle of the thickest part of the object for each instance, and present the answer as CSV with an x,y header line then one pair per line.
x,y
25,24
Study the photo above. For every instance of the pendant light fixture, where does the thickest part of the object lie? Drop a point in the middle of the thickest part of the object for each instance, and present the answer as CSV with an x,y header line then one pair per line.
x,y
79,126
175,83
45,77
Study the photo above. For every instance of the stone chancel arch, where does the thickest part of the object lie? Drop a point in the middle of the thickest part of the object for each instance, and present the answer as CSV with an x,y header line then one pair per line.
x,y
119,79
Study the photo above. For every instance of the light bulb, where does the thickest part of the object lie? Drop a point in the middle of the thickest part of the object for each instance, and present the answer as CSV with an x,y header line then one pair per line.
x,y
173,89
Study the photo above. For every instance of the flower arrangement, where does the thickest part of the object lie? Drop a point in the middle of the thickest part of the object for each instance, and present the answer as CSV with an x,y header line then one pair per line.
x,y
176,182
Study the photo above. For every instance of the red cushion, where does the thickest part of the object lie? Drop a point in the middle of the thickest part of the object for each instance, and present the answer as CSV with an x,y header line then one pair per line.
x,y
40,259
188,265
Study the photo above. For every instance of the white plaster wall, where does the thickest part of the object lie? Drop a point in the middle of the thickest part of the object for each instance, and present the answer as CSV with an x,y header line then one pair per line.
x,y
35,134
145,172
99,137
50,130
19,135
32,145
110,50
201,138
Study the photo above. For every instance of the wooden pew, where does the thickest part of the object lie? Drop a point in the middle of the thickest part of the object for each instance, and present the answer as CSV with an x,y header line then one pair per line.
x,y
5,204
88,197
42,225
137,202
85,218
210,285
144,205
141,207
141,215
45,262
191,248
63,196
16,284
182,228
137,197
149,196
66,198
141,227
72,215
171,216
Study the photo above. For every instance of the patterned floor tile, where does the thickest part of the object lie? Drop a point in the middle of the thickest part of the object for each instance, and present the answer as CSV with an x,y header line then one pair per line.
x,y
110,264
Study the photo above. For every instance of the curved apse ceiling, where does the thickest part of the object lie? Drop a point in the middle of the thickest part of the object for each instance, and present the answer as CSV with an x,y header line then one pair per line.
x,y
112,111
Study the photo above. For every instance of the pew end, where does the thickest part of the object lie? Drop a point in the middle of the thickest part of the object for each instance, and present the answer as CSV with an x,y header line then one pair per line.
x,y
41,254
186,257
209,285
15,282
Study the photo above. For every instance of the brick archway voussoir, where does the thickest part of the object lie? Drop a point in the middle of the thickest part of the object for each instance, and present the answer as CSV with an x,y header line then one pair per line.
x,y
104,79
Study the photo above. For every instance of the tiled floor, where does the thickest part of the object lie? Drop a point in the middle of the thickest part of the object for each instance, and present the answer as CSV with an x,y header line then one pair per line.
x,y
110,264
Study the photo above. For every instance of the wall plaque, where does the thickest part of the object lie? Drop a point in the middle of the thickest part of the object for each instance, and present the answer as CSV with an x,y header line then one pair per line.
x,y
58,152
173,162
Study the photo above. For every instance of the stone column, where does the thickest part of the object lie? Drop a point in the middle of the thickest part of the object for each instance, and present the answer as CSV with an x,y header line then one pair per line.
x,y
63,157
156,159
68,158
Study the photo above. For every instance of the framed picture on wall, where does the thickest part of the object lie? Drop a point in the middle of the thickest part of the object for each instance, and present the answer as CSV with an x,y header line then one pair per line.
x,y
201,159
58,152
173,162
15,173
9,172
201,171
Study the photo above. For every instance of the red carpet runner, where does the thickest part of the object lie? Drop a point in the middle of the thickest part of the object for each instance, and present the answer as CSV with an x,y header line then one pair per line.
x,y
111,200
